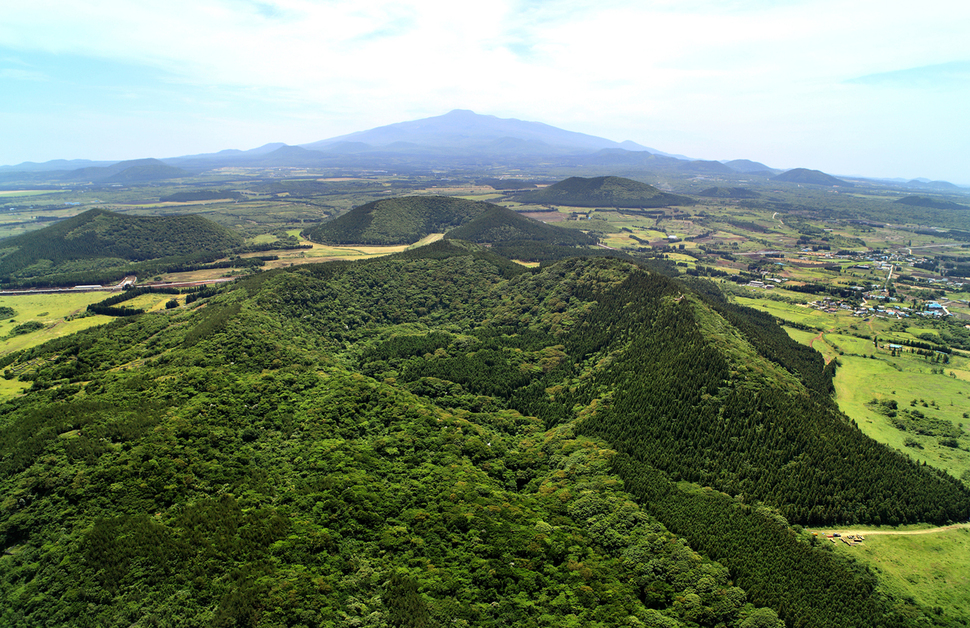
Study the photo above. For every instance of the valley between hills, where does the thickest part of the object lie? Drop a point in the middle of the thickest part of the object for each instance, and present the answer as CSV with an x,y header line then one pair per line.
x,y
543,396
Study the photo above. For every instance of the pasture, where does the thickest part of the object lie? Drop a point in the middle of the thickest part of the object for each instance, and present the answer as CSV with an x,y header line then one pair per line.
x,y
56,312
931,569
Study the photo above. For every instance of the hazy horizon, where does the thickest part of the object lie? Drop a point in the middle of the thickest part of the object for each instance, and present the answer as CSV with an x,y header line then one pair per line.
x,y
866,89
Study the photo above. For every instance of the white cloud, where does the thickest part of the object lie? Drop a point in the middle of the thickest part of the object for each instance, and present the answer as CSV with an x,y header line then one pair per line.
x,y
714,72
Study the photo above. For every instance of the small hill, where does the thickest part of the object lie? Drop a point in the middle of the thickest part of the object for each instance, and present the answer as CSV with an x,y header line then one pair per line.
x,y
923,201
707,166
133,171
500,224
730,193
112,238
933,185
748,166
810,177
147,172
603,192
403,220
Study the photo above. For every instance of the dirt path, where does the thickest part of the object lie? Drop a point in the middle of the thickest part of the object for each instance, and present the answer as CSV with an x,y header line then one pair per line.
x,y
955,526
818,337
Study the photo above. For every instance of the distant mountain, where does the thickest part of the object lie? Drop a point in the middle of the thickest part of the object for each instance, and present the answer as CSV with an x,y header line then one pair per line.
x,y
932,185
403,220
99,240
469,130
500,224
54,165
810,177
134,171
603,192
735,193
922,201
633,146
654,162
748,167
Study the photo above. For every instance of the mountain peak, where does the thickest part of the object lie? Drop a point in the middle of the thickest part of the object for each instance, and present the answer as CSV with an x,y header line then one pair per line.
x,y
463,128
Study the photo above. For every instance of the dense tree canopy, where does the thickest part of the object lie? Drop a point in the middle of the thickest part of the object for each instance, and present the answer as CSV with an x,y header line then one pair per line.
x,y
441,438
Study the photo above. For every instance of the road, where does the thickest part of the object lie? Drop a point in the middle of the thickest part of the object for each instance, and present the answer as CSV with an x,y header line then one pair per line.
x,y
955,526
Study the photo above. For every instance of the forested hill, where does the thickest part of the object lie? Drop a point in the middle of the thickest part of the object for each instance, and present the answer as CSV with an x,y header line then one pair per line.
x,y
436,437
501,225
102,235
811,177
603,192
923,201
403,220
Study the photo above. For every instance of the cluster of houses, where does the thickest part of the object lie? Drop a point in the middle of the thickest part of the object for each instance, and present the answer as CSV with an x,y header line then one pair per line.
x,y
767,284
833,306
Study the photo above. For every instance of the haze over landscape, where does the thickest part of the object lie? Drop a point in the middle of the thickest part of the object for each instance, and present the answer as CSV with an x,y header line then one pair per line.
x,y
866,89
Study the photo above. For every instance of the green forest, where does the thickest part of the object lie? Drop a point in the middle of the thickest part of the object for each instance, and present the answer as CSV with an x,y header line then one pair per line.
x,y
403,220
443,437
99,244
604,192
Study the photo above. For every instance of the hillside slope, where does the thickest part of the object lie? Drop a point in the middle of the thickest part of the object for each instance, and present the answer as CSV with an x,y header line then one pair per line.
x,y
133,171
500,224
442,435
603,192
924,201
403,220
810,177
99,238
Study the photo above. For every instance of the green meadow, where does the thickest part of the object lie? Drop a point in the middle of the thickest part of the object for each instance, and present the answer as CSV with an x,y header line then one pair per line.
x,y
931,569
56,312
800,314
943,399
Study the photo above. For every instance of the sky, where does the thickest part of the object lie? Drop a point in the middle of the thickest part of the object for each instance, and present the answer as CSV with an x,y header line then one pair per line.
x,y
854,88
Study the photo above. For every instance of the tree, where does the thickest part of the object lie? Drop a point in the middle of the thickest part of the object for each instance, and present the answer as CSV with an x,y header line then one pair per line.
x,y
762,618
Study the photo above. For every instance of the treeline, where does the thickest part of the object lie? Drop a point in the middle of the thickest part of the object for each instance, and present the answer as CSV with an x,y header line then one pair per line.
x,y
818,288
106,307
167,265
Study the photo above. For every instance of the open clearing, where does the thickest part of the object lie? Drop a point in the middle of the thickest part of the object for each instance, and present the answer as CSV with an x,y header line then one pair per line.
x,y
929,566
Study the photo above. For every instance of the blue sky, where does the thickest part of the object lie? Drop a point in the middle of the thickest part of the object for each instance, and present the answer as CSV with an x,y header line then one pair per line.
x,y
852,88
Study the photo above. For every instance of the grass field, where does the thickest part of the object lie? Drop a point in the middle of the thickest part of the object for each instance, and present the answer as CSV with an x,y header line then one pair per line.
x,y
29,192
51,310
931,569
866,372
859,380
799,313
